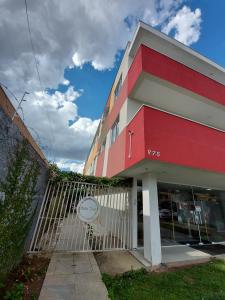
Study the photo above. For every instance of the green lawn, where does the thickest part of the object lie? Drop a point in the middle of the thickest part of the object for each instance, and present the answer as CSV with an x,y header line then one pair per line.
x,y
199,282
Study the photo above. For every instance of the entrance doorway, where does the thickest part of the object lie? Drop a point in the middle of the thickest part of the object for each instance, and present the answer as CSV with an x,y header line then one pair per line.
x,y
190,215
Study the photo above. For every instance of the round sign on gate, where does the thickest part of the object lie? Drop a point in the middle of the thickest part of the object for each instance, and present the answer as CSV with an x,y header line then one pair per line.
x,y
88,209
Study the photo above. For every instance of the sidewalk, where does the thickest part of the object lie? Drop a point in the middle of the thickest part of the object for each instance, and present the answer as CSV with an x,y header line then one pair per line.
x,y
73,276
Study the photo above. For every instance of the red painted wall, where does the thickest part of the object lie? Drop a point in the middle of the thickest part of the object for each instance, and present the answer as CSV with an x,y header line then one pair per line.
x,y
171,139
136,127
152,62
116,155
177,140
168,69
100,162
184,142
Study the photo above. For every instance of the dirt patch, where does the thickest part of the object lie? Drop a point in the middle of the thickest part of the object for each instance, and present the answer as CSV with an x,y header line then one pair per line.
x,y
26,279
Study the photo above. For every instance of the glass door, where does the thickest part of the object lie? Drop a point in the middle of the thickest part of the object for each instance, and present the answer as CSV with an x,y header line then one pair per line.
x,y
188,215
181,215
140,229
212,203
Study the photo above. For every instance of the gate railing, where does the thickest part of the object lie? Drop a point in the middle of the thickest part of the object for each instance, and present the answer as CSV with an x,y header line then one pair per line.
x,y
60,226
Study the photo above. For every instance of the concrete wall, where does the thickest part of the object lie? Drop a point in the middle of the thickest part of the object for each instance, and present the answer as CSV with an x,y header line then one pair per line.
x,y
133,106
10,135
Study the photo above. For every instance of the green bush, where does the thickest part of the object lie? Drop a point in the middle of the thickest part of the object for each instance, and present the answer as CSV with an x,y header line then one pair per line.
x,y
16,209
16,292
57,175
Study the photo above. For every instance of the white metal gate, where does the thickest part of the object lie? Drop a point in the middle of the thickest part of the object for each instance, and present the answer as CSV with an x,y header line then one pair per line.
x,y
61,228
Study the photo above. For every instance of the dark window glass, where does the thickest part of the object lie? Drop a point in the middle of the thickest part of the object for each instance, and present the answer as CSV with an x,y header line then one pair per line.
x,y
114,131
118,87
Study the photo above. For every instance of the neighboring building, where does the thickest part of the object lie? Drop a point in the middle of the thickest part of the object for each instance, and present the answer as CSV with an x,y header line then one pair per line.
x,y
12,132
164,125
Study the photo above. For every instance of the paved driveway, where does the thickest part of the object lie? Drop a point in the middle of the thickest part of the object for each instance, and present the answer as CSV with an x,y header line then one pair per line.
x,y
73,276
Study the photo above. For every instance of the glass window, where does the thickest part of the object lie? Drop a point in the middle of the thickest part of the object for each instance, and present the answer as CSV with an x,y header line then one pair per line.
x,y
211,206
118,87
114,131
105,113
191,215
103,145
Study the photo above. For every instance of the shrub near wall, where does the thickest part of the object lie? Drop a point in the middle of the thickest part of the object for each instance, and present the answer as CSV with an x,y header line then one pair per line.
x,y
15,208
57,175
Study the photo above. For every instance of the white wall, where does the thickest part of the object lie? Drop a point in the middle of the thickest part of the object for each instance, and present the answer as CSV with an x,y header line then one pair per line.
x,y
132,107
123,117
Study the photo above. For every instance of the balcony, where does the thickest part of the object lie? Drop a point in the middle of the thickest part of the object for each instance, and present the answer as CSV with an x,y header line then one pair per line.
x,y
175,149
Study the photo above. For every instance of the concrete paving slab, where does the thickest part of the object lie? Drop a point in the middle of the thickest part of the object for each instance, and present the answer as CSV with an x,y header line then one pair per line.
x,y
86,268
63,268
117,262
54,280
182,254
177,255
59,292
139,255
51,267
95,291
73,276
220,256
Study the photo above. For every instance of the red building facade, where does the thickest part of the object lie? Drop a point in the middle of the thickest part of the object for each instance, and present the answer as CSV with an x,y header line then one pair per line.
x,y
164,126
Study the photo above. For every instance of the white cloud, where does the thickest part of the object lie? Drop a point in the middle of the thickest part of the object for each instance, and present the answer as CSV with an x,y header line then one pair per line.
x,y
61,131
70,165
66,82
186,24
66,34
78,62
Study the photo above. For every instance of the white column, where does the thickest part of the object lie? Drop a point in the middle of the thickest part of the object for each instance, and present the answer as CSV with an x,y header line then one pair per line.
x,y
134,213
152,240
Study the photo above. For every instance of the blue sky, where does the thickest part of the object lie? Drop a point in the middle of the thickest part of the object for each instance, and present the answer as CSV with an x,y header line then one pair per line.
x,y
96,85
212,39
78,49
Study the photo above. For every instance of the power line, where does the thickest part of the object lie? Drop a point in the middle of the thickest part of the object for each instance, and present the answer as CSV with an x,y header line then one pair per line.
x,y
19,106
32,44
38,73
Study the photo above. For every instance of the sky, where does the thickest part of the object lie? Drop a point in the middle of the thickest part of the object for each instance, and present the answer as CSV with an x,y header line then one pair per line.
x,y
78,45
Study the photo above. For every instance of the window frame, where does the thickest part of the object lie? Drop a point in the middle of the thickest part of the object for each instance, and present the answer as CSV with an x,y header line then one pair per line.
x,y
118,87
114,131
103,145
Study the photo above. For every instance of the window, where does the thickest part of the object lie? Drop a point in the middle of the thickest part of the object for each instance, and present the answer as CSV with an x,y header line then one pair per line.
x,y
92,169
103,145
105,114
114,131
93,166
118,87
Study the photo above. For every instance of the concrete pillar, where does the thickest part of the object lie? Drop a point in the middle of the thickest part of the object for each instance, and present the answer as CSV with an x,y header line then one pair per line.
x,y
152,240
134,213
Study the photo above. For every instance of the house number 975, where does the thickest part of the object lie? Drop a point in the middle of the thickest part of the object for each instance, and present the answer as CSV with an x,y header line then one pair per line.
x,y
153,152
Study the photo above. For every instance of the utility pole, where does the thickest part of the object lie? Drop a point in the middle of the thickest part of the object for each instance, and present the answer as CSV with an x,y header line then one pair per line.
x,y
19,105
